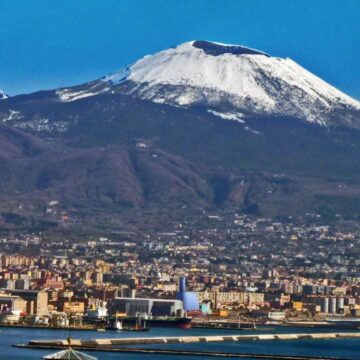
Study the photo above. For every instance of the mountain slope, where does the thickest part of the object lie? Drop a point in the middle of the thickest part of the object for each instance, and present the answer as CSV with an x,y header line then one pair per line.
x,y
273,144
129,144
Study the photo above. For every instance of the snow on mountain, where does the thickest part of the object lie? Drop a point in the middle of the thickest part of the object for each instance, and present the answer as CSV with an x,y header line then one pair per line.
x,y
243,79
229,79
67,95
228,116
3,95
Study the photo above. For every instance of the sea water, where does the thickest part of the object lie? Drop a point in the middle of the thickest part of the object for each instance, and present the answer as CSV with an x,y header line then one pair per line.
x,y
341,348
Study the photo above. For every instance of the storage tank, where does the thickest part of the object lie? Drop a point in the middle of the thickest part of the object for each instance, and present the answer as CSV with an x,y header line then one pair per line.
x,y
325,305
340,305
332,305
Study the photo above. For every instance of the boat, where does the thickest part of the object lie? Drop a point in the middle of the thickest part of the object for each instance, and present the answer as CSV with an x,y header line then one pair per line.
x,y
224,324
158,321
114,325
138,325
96,314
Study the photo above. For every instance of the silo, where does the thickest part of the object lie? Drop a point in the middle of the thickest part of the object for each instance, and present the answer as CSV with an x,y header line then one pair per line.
x,y
340,305
332,305
325,305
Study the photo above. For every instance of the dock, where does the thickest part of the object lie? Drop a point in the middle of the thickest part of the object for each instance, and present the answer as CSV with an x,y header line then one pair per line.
x,y
116,342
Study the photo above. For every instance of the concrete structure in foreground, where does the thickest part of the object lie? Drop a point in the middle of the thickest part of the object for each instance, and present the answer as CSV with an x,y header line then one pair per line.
x,y
103,343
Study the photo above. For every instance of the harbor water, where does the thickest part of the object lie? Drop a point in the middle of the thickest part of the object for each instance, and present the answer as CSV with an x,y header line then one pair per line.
x,y
340,348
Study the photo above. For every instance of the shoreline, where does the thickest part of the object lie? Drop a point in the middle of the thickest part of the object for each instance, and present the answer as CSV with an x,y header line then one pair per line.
x,y
22,326
214,325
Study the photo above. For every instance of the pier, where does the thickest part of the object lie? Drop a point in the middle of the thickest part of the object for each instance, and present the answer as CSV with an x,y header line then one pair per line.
x,y
116,342
118,345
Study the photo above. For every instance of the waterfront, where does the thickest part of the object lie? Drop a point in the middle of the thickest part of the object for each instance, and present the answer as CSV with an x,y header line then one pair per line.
x,y
341,348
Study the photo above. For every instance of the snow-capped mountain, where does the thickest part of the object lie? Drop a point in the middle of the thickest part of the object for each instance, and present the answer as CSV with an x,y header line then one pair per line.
x,y
231,81
199,126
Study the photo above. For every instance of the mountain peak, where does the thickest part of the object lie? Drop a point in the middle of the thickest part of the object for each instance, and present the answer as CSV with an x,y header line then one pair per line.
x,y
228,79
216,49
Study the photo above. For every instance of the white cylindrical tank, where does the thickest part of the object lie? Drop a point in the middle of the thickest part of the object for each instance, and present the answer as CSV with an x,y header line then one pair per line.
x,y
325,305
340,304
332,306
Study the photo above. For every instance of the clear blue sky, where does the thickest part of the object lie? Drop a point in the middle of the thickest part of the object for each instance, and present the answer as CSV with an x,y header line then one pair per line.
x,y
51,43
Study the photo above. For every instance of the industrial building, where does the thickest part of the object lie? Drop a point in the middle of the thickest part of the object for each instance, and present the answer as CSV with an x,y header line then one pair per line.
x,y
149,307
9,303
36,300
11,307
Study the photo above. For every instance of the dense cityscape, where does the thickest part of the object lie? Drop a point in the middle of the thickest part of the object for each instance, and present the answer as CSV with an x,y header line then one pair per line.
x,y
238,267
